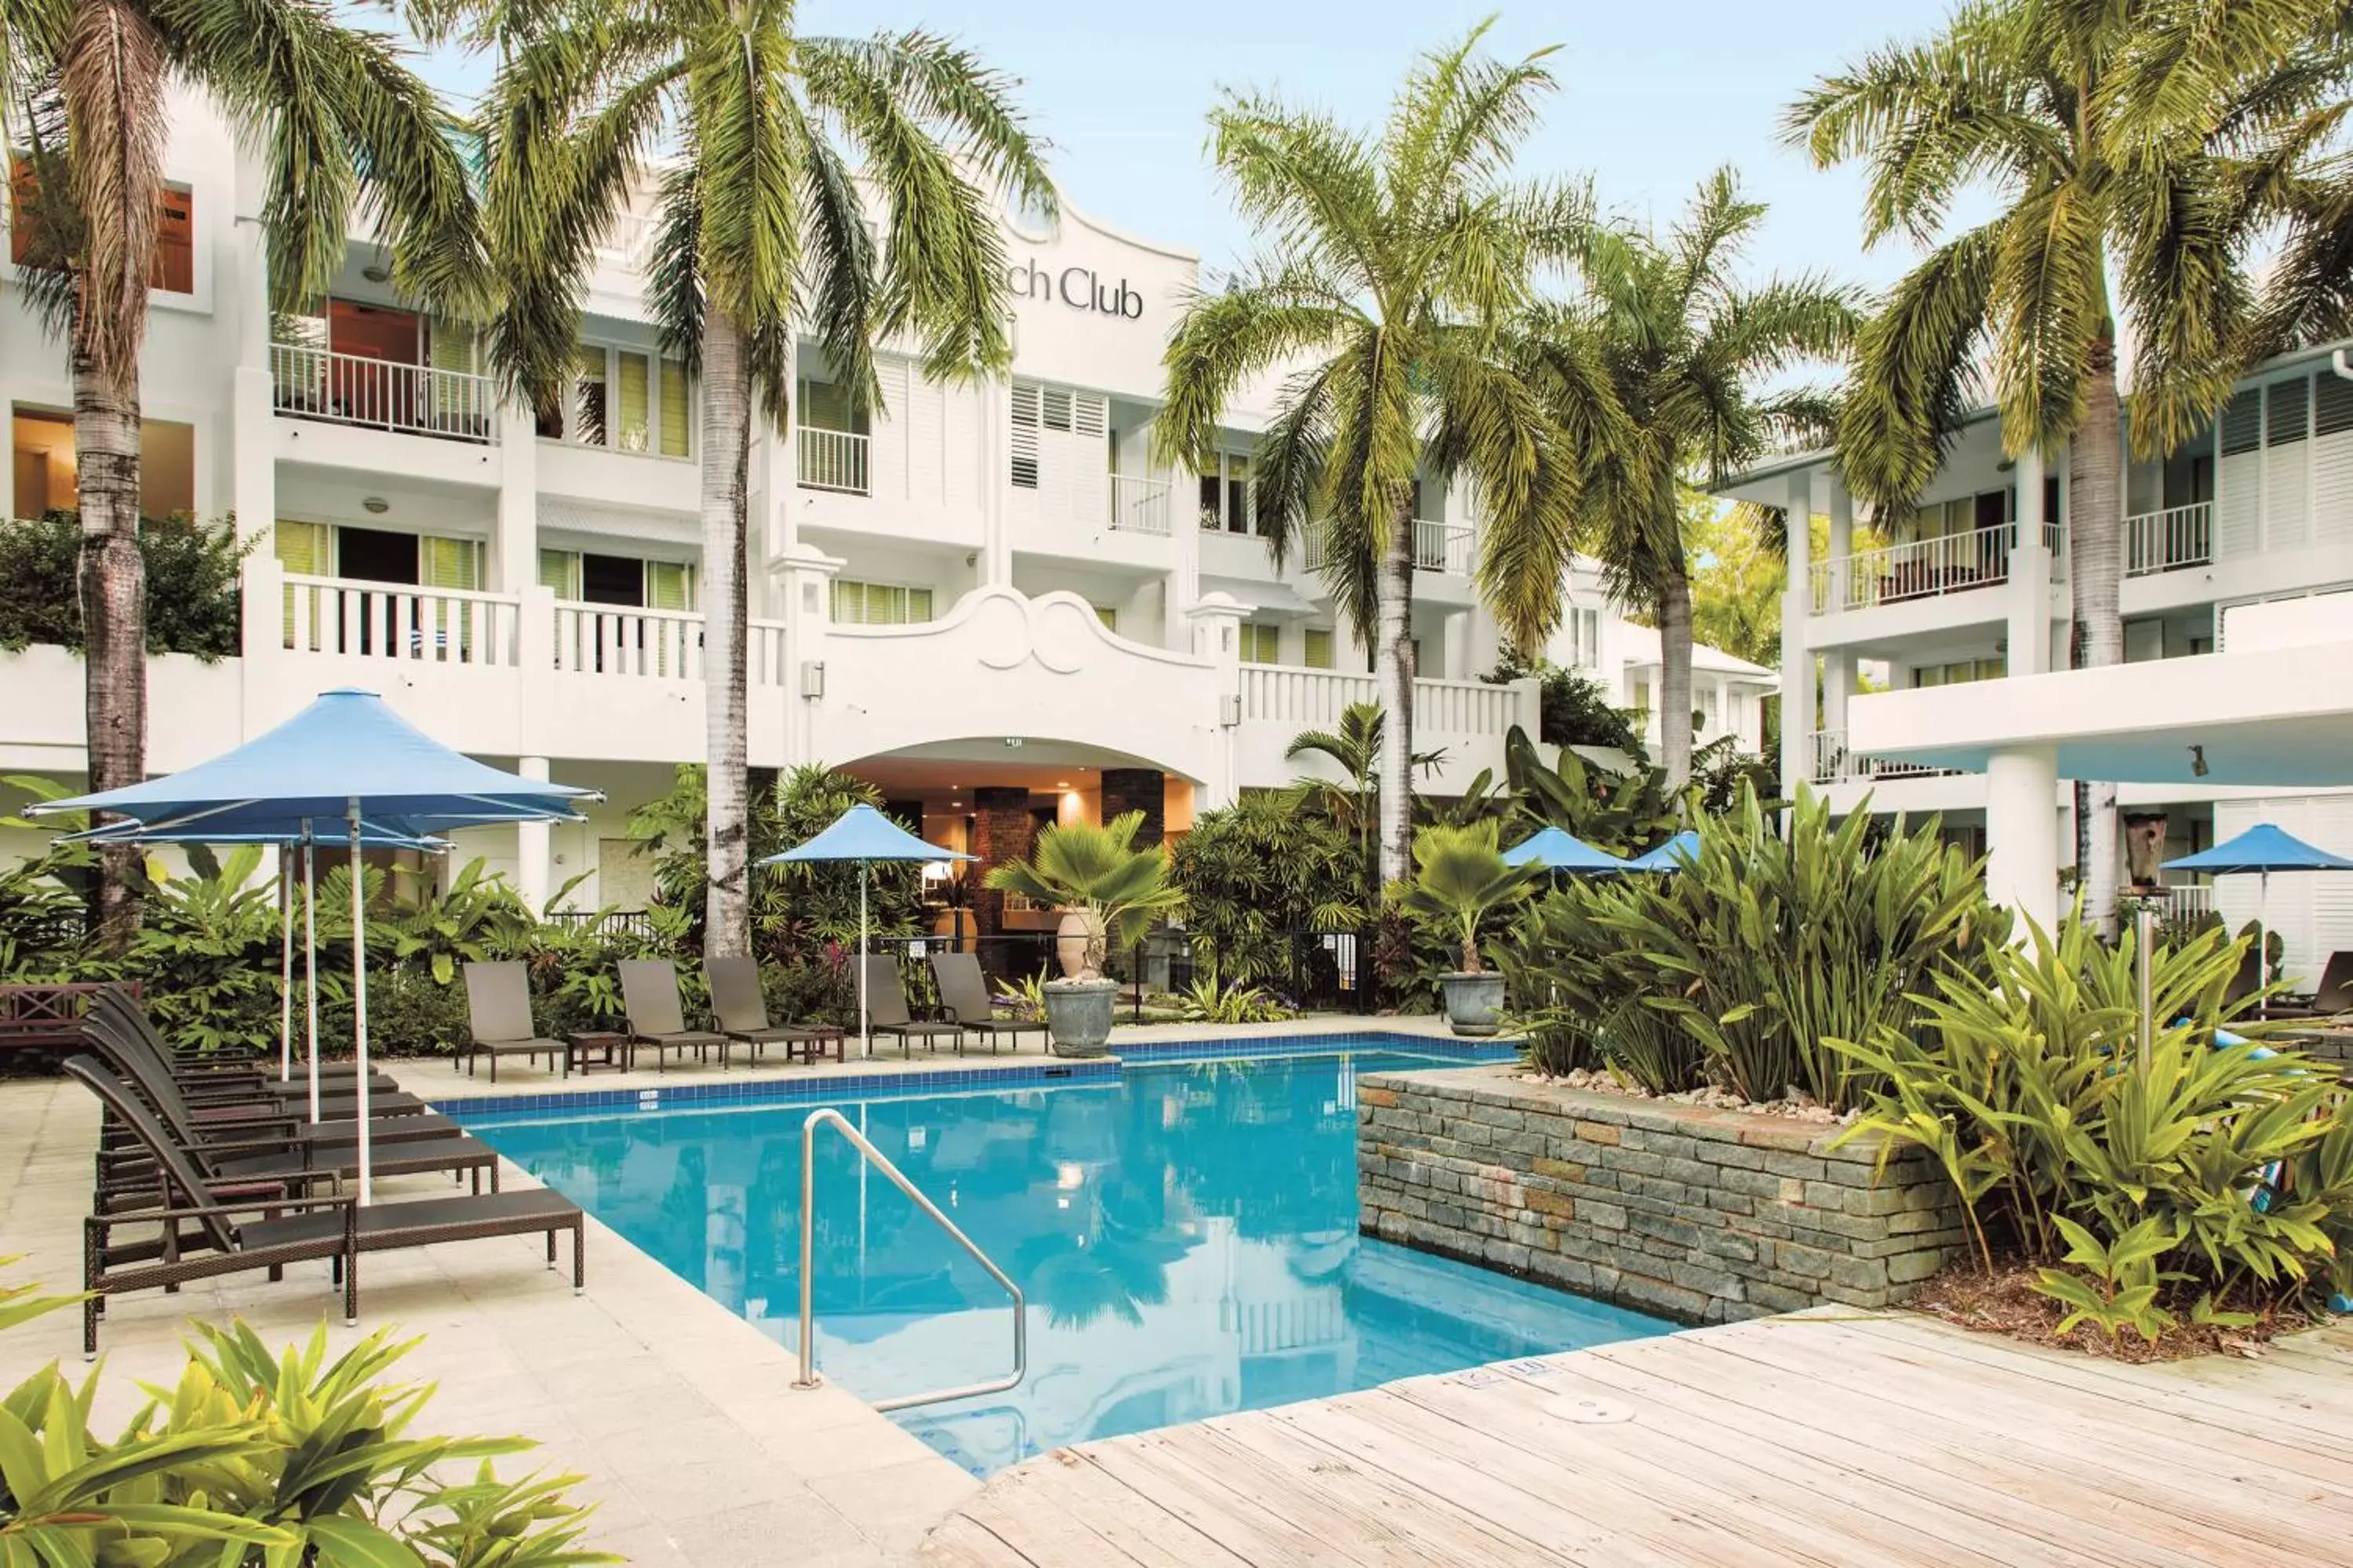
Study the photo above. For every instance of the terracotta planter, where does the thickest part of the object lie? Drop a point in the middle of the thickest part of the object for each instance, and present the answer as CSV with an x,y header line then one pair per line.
x,y
1474,1002
1079,930
1078,1015
955,925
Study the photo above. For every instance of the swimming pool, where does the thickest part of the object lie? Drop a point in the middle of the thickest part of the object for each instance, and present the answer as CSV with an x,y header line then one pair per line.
x,y
1185,1231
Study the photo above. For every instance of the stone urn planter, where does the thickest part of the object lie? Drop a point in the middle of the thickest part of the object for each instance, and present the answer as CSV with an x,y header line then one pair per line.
x,y
1081,929
1474,1002
1078,1015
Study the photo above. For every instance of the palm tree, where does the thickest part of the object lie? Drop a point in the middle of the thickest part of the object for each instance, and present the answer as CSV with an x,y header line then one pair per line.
x,y
774,148
1356,748
1689,352
1387,266
342,123
2122,180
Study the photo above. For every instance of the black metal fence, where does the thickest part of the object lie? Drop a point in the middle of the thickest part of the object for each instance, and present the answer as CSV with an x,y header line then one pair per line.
x,y
615,923
1327,971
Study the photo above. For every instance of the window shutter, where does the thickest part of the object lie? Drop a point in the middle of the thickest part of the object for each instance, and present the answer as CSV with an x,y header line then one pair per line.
x,y
676,413
450,563
633,429
1028,400
559,570
1318,652
669,585
918,603
302,549
2287,520
2238,503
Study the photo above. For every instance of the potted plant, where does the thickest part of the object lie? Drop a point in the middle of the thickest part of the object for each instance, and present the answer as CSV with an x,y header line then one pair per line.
x,y
1109,890
1459,877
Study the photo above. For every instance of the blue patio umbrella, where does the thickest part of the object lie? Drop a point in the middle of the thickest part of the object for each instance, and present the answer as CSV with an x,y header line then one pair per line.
x,y
307,836
2261,849
1675,855
863,834
347,757
1557,849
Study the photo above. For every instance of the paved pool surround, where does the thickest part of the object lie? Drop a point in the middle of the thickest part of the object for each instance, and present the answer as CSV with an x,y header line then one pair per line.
x,y
1703,1216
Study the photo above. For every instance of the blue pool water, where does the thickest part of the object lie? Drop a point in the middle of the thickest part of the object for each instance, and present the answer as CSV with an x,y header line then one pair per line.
x,y
1186,1233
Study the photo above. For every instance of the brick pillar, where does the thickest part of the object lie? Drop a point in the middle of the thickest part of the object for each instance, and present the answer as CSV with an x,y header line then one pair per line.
x,y
1136,789
1000,835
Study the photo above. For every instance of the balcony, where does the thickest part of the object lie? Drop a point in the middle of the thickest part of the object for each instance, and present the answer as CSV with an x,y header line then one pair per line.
x,y
1446,547
396,622
1923,569
1835,763
2168,541
835,460
1140,505
310,383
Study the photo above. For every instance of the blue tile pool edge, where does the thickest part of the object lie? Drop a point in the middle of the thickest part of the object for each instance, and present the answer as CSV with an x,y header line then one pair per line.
x,y
1050,1072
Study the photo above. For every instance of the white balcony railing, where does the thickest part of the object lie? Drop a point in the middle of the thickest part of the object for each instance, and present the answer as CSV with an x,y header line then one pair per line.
x,y
1833,763
2184,903
1443,547
835,460
1292,694
609,639
382,395
1139,505
2166,540
415,625
1924,568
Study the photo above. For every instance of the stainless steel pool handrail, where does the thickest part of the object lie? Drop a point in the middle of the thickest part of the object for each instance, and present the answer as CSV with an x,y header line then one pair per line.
x,y
876,1158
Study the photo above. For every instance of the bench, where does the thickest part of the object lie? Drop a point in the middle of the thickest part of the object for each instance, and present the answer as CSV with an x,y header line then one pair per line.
x,y
46,1012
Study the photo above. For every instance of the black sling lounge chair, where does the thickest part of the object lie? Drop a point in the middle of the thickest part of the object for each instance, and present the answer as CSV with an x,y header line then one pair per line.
x,y
499,1021
886,1009
204,1085
743,1013
202,1237
657,1017
964,993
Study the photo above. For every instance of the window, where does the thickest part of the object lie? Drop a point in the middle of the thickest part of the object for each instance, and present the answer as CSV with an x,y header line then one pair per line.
x,y
826,406
675,414
1227,505
622,581
1108,616
588,404
1641,703
622,398
1317,654
559,572
1961,671
174,268
1582,628
1070,423
634,392
879,603
1261,643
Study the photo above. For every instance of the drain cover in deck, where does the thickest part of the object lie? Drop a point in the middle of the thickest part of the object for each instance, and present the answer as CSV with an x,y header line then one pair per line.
x,y
1586,1411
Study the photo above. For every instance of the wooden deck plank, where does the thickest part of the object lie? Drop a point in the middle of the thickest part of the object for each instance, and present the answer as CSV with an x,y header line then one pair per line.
x,y
1826,1439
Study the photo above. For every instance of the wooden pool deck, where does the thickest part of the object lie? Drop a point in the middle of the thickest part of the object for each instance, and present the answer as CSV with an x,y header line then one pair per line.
x,y
1827,1439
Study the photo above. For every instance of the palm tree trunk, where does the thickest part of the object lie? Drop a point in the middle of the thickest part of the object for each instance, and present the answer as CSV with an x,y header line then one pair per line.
x,y
113,590
1675,676
726,461
1393,676
2095,574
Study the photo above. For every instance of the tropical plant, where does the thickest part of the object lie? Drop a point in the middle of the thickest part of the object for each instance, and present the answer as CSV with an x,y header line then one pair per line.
x,y
780,149
191,571
1385,265
476,917
1622,813
1101,873
2129,160
1210,999
343,125
2073,1144
1256,874
1573,708
1733,970
208,955
1023,999
1460,880
1696,359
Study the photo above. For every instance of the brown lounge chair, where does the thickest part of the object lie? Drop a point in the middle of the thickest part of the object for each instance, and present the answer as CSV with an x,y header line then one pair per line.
x,y
887,1014
2334,995
963,993
203,1085
657,1018
497,1019
291,1230
743,1013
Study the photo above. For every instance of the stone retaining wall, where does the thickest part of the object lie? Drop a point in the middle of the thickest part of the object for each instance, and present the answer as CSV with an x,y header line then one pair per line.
x,y
1701,1215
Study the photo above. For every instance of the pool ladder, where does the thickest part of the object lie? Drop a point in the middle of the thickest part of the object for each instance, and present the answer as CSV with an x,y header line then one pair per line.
x,y
875,1157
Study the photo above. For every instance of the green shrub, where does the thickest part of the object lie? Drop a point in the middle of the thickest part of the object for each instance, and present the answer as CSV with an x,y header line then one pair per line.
x,y
1735,969
191,583
2186,1173
1574,711
1256,872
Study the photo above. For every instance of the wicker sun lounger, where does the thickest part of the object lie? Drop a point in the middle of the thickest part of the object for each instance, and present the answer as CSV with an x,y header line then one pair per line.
x,y
887,1014
964,993
743,1013
198,1236
205,1084
498,1017
657,1018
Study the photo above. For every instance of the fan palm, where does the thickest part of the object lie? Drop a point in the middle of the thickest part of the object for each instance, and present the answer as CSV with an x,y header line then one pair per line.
x,y
772,148
2127,195
1387,266
1460,879
1100,871
1688,351
341,122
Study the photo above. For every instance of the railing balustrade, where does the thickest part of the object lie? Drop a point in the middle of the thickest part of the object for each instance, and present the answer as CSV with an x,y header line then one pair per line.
x,y
2169,540
1443,547
1925,568
1835,763
310,383
1293,694
1139,505
835,460
610,639
417,626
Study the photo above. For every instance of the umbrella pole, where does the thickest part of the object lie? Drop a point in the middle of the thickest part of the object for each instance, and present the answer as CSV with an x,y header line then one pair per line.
x,y
311,962
2263,950
285,966
865,1022
359,995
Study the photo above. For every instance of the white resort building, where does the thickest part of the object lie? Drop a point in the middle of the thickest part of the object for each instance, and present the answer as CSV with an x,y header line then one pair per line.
x,y
2239,544
987,598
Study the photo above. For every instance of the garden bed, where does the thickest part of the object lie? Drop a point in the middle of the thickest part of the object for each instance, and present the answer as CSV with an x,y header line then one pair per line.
x,y
1696,1213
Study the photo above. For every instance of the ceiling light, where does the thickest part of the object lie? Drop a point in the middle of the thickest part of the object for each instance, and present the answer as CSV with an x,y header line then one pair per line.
x,y
374,504
375,274
1012,742
1063,784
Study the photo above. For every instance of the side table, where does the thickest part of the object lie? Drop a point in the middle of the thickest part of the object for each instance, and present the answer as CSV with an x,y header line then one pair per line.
x,y
592,1049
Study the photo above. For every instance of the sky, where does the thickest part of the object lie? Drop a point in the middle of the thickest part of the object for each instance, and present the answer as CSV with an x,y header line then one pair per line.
x,y
1653,95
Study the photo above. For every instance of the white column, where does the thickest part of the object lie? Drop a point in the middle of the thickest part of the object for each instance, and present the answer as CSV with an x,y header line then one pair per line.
x,y
804,578
1798,660
1216,624
2023,833
515,554
995,395
253,460
2028,642
533,869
